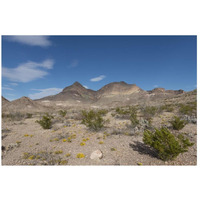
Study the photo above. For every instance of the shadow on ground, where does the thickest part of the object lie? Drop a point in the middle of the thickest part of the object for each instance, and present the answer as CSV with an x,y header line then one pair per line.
x,y
143,149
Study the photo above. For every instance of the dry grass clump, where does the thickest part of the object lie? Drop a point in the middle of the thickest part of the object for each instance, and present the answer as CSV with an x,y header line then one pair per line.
x,y
113,149
82,143
101,142
68,155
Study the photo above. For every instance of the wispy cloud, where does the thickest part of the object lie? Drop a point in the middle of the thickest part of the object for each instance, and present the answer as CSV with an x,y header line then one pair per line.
x,y
42,41
85,86
99,78
44,92
73,64
14,84
155,86
6,88
28,71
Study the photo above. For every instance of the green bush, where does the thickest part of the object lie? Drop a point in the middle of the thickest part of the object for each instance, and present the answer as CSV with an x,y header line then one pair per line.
x,y
45,122
103,112
167,108
62,112
93,120
29,115
177,123
148,112
122,111
188,109
17,116
134,120
166,144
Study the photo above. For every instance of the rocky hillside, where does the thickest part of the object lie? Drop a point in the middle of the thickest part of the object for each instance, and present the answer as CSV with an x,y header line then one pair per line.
x,y
110,95
23,104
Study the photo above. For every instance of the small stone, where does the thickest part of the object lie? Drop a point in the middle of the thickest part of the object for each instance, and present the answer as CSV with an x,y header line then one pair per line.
x,y
96,155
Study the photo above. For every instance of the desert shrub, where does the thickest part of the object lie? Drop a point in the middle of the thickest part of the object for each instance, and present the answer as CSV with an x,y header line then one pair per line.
x,y
82,143
29,115
167,108
166,144
148,112
62,113
14,116
177,123
134,120
93,120
80,155
122,111
188,109
103,112
45,122
58,152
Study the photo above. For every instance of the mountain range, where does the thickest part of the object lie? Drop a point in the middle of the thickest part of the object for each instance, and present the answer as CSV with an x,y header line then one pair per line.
x,y
112,94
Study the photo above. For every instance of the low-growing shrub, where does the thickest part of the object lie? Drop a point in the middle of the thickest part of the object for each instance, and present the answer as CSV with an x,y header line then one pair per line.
x,y
29,115
167,108
80,155
63,113
58,152
177,123
149,112
134,120
103,112
82,143
166,144
93,120
188,109
14,116
45,122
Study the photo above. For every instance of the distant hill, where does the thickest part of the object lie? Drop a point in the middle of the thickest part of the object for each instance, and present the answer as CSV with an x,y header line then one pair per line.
x,y
23,104
110,95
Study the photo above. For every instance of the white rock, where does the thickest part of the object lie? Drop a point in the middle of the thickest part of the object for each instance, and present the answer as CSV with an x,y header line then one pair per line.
x,y
96,155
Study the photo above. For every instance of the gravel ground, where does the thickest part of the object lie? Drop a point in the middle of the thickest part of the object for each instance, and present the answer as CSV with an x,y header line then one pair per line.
x,y
28,138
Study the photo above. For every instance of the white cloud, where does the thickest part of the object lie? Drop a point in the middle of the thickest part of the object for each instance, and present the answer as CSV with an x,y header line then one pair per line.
x,y
99,78
44,92
42,41
28,71
155,86
73,64
7,88
85,86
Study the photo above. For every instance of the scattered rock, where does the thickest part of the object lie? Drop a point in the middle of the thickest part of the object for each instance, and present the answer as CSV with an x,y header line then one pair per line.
x,y
3,148
96,155
57,126
11,146
190,119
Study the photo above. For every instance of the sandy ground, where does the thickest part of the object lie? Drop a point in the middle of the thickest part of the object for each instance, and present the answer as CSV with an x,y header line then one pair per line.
x,y
42,147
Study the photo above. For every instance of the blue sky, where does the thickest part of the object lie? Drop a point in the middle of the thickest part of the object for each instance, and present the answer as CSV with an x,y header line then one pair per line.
x,y
37,66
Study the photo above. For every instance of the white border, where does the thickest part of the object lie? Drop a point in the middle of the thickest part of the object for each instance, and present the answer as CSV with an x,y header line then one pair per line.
x,y
100,18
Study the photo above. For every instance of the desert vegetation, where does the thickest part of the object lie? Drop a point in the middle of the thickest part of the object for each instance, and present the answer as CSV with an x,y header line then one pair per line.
x,y
141,134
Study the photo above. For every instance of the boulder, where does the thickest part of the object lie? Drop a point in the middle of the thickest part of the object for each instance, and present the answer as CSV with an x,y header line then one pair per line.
x,y
96,155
